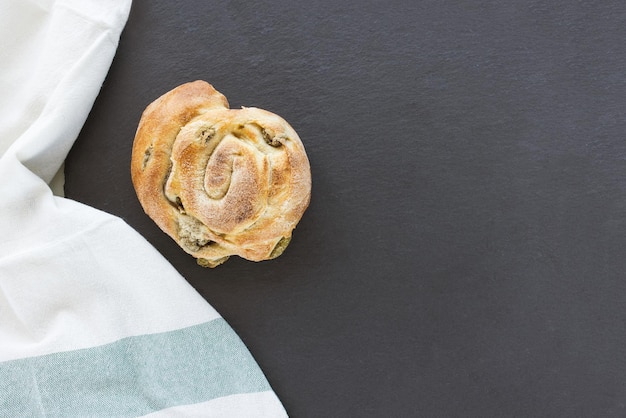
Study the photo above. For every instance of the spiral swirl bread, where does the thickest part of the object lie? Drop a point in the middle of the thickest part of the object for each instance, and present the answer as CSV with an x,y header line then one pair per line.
x,y
219,181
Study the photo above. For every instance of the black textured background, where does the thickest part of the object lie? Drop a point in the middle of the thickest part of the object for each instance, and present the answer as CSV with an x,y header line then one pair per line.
x,y
463,254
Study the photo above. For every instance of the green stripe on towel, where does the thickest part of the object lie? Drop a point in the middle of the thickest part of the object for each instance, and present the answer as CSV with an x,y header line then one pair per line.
x,y
132,376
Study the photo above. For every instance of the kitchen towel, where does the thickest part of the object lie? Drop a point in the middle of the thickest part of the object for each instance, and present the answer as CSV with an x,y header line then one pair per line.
x,y
93,320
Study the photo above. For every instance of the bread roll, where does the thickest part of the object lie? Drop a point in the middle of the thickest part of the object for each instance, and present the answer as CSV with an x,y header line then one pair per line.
x,y
219,181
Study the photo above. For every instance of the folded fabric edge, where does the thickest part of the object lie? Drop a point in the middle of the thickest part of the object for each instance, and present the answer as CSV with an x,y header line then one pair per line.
x,y
43,146
57,184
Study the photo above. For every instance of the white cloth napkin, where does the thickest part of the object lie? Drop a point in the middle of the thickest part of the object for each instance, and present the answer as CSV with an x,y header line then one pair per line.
x,y
93,321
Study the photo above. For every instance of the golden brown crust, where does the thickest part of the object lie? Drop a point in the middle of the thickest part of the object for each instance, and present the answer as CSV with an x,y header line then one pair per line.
x,y
219,181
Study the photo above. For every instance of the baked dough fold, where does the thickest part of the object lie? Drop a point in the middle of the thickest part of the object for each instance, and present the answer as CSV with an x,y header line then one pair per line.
x,y
219,181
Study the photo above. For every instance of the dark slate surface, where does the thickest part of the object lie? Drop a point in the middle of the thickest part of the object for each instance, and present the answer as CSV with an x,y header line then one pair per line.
x,y
463,254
